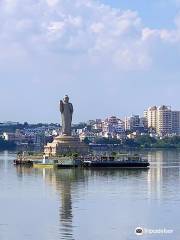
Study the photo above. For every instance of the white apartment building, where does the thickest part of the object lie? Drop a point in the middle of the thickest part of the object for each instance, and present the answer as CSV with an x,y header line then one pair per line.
x,y
132,122
111,126
151,115
163,120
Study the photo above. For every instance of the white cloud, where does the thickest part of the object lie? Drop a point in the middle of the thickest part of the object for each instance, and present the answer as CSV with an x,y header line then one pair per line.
x,y
169,36
52,3
9,5
55,27
97,27
95,31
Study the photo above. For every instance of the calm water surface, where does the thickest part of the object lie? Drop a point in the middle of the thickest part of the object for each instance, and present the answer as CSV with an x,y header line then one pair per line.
x,y
45,204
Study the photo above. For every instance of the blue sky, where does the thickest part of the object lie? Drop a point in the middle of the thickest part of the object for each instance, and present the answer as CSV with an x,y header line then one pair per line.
x,y
111,57
155,13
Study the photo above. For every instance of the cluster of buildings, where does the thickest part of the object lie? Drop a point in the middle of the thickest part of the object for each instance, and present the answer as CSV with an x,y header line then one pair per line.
x,y
156,121
32,137
111,127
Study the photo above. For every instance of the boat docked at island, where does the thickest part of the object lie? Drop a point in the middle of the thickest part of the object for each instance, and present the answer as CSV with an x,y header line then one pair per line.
x,y
116,164
121,161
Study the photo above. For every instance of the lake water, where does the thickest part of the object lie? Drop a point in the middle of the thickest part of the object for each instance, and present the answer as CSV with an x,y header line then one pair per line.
x,y
46,204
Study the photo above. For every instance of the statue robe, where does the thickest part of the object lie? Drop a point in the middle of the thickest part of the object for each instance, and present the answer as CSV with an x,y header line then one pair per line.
x,y
66,115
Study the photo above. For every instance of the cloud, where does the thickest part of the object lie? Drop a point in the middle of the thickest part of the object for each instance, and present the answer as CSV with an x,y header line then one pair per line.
x,y
85,28
99,55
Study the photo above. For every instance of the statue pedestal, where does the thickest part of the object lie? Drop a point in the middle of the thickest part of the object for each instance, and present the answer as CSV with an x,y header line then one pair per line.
x,y
65,144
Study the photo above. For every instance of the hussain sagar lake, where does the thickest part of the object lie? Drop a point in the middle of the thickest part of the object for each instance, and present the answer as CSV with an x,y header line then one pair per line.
x,y
90,204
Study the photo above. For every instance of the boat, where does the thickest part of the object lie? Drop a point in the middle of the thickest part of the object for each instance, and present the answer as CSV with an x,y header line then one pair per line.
x,y
115,164
123,161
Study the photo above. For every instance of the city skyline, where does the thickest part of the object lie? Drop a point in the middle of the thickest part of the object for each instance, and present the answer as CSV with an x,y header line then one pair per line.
x,y
110,57
142,115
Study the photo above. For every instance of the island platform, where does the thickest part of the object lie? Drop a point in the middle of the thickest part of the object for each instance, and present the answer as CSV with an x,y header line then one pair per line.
x,y
88,161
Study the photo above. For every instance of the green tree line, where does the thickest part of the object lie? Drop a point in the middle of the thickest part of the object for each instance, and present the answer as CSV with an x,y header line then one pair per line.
x,y
143,141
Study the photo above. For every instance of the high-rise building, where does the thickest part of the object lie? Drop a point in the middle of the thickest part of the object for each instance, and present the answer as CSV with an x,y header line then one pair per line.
x,y
163,120
151,115
176,122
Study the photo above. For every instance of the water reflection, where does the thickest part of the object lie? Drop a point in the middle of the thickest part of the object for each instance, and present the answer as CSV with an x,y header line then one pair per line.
x,y
63,186
127,191
69,182
65,182
165,169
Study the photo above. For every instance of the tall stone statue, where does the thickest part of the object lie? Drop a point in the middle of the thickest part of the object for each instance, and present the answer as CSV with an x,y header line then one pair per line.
x,y
66,109
65,143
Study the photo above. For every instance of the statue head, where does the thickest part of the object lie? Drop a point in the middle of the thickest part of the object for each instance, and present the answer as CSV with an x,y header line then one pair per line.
x,y
66,99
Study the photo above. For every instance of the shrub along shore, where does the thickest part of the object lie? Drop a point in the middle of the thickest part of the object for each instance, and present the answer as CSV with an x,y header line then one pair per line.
x,y
140,142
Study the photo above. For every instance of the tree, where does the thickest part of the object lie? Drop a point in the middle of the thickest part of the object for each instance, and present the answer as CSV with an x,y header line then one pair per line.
x,y
86,140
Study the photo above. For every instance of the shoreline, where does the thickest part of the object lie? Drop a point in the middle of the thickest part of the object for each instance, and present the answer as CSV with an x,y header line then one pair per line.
x,y
102,148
